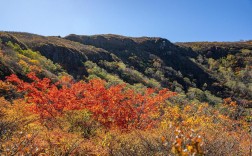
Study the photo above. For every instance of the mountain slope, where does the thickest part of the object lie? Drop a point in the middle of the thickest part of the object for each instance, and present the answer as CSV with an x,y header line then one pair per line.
x,y
229,62
154,62
158,58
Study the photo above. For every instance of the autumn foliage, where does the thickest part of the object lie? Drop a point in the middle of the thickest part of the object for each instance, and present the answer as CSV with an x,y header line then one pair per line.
x,y
111,106
94,118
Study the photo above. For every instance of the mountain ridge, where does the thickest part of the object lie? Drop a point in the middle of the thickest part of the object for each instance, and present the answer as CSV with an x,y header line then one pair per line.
x,y
146,60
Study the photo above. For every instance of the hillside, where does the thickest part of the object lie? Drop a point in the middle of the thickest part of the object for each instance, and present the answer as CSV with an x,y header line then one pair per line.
x,y
117,95
229,62
186,68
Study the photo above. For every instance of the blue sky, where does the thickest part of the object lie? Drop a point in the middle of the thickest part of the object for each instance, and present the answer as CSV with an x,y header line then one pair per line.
x,y
176,20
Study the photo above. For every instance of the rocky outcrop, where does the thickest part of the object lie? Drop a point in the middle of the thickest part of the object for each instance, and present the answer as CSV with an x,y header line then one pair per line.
x,y
143,47
107,42
6,37
70,59
70,55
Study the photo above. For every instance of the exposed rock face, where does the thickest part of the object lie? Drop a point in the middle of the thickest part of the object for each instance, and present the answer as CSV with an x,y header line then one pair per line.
x,y
107,42
69,59
72,59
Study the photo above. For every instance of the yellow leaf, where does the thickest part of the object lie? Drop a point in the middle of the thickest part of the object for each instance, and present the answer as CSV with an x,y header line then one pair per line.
x,y
190,148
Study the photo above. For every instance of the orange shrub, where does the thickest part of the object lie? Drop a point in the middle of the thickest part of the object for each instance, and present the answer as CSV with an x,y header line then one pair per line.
x,y
115,106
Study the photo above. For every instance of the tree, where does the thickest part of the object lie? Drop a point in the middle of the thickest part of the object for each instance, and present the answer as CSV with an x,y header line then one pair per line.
x,y
114,106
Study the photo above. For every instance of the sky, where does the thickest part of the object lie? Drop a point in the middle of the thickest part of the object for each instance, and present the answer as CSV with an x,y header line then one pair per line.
x,y
175,20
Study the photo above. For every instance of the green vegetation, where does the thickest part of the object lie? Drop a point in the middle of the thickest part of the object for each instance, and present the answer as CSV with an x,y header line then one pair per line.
x,y
230,63
34,58
23,61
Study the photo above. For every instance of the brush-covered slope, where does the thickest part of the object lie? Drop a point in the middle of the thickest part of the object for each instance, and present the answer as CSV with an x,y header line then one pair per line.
x,y
171,65
203,71
229,62
70,55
